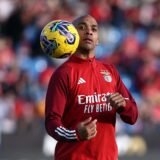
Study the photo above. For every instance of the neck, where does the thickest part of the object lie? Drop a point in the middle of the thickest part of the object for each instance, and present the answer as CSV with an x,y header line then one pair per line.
x,y
86,55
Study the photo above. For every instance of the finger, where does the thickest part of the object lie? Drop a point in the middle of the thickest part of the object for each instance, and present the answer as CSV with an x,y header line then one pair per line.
x,y
91,131
116,96
91,127
113,95
116,101
92,135
92,124
85,122
121,103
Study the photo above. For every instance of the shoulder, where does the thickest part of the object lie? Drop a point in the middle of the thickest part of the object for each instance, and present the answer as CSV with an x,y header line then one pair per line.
x,y
63,70
108,66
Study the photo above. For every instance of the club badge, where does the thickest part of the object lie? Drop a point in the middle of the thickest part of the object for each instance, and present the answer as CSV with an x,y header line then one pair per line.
x,y
107,75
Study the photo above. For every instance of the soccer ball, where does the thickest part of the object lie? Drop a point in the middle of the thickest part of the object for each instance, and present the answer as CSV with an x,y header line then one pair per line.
x,y
59,39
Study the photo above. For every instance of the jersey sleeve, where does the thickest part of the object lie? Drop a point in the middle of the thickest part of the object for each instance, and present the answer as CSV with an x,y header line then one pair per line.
x,y
56,99
129,113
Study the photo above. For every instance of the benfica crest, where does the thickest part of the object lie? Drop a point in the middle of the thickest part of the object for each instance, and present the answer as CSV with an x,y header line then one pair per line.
x,y
107,75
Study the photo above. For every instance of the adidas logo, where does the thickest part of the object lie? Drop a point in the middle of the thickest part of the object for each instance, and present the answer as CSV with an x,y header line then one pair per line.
x,y
81,80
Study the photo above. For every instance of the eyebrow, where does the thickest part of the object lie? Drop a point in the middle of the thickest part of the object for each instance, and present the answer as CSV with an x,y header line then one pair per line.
x,y
83,23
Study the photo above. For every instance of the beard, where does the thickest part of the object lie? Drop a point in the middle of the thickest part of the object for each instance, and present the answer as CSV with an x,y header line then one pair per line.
x,y
86,48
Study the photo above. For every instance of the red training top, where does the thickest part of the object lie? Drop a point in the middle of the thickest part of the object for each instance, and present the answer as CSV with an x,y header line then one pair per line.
x,y
78,90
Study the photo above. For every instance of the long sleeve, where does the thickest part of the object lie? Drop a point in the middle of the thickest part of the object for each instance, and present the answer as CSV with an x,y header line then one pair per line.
x,y
129,113
56,99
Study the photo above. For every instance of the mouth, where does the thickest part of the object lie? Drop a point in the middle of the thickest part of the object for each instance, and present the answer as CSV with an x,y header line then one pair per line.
x,y
88,40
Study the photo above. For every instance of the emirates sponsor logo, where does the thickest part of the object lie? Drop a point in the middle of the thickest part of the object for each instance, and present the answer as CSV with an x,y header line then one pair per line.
x,y
95,98
95,103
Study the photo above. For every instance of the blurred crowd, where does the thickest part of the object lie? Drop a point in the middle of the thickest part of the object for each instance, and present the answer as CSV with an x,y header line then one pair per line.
x,y
129,38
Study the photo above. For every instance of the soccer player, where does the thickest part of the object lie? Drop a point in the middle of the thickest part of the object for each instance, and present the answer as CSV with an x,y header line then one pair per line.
x,y
83,97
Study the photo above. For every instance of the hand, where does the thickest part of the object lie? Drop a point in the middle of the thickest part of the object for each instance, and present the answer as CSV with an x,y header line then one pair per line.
x,y
87,129
117,100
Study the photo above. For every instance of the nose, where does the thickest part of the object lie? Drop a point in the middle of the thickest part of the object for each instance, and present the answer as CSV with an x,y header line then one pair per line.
x,y
89,31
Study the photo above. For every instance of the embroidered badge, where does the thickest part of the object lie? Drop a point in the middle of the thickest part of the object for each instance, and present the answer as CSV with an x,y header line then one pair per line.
x,y
107,75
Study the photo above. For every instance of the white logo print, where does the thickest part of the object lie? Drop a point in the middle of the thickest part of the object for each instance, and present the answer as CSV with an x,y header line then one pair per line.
x,y
107,75
81,80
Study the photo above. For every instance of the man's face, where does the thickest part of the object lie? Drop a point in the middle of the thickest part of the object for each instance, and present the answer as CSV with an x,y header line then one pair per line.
x,y
88,31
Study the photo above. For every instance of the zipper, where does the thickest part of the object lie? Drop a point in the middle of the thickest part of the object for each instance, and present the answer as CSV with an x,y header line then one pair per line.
x,y
96,80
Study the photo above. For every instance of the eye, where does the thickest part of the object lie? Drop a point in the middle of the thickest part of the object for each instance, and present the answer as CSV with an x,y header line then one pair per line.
x,y
94,29
81,27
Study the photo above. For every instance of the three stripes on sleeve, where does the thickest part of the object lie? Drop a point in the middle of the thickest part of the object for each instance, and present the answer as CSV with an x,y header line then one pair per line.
x,y
65,133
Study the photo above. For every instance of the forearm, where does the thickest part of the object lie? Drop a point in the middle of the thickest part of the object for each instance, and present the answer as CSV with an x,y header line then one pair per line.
x,y
129,113
56,129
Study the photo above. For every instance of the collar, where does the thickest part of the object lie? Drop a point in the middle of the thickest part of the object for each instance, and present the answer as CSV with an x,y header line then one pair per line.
x,y
77,58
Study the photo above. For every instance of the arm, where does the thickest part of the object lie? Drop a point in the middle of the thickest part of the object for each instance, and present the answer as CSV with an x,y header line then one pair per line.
x,y
56,100
124,102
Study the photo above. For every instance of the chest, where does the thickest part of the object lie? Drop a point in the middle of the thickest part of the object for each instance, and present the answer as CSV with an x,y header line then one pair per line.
x,y
93,79
89,87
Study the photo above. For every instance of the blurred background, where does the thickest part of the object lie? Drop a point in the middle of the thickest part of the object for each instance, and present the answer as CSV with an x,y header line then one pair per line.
x,y
129,38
